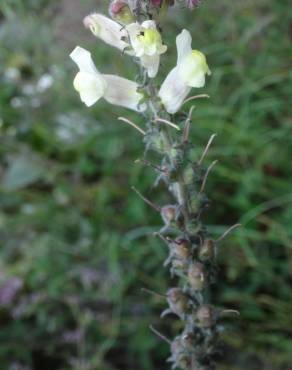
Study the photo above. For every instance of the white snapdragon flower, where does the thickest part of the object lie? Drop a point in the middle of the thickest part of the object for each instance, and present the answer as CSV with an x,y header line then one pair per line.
x,y
142,40
147,45
109,31
189,72
92,85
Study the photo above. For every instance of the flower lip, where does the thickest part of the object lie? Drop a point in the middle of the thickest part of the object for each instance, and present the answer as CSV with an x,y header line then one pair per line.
x,y
193,68
147,45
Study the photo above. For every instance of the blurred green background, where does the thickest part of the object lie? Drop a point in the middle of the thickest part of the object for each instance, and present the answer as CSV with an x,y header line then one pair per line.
x,y
76,244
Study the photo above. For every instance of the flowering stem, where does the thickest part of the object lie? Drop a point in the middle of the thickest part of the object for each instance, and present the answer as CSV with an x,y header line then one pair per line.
x,y
191,251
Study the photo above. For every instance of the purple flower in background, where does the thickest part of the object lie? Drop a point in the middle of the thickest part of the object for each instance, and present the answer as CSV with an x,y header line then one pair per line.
x,y
9,290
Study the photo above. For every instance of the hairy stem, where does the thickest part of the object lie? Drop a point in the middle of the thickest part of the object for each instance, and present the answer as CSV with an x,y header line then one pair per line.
x,y
191,251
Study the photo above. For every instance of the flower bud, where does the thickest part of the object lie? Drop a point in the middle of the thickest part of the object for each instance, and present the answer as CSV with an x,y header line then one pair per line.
x,y
190,340
198,201
178,301
176,347
161,3
178,355
197,276
189,175
194,226
184,362
182,248
178,266
120,11
156,2
207,250
206,316
168,214
155,142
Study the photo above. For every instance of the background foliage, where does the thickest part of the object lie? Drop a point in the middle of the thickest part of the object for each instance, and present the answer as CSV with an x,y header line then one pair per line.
x,y
75,251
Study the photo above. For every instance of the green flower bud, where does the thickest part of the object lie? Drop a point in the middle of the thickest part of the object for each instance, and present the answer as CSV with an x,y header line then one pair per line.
x,y
188,175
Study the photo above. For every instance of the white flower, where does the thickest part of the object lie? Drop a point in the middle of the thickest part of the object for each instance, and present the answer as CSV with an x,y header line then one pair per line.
x,y
142,40
189,72
107,30
92,85
147,44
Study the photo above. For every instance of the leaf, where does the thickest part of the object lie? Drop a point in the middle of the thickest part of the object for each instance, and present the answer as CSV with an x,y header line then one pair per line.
x,y
22,171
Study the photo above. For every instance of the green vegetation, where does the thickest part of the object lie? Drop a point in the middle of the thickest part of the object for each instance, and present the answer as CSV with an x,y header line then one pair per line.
x,y
75,251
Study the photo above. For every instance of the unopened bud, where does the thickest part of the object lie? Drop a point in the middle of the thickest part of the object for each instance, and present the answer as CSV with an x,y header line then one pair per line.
x,y
182,248
188,175
168,214
197,276
190,340
178,301
198,201
178,264
193,226
206,316
120,10
156,2
176,347
178,355
184,362
161,3
207,250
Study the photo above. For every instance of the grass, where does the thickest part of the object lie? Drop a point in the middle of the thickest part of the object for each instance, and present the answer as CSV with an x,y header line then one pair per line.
x,y
78,238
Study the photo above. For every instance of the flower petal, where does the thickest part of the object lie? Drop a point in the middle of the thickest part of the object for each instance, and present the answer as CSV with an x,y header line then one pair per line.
x,y
107,30
149,24
88,82
123,92
91,87
184,45
173,91
151,63
83,59
198,80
